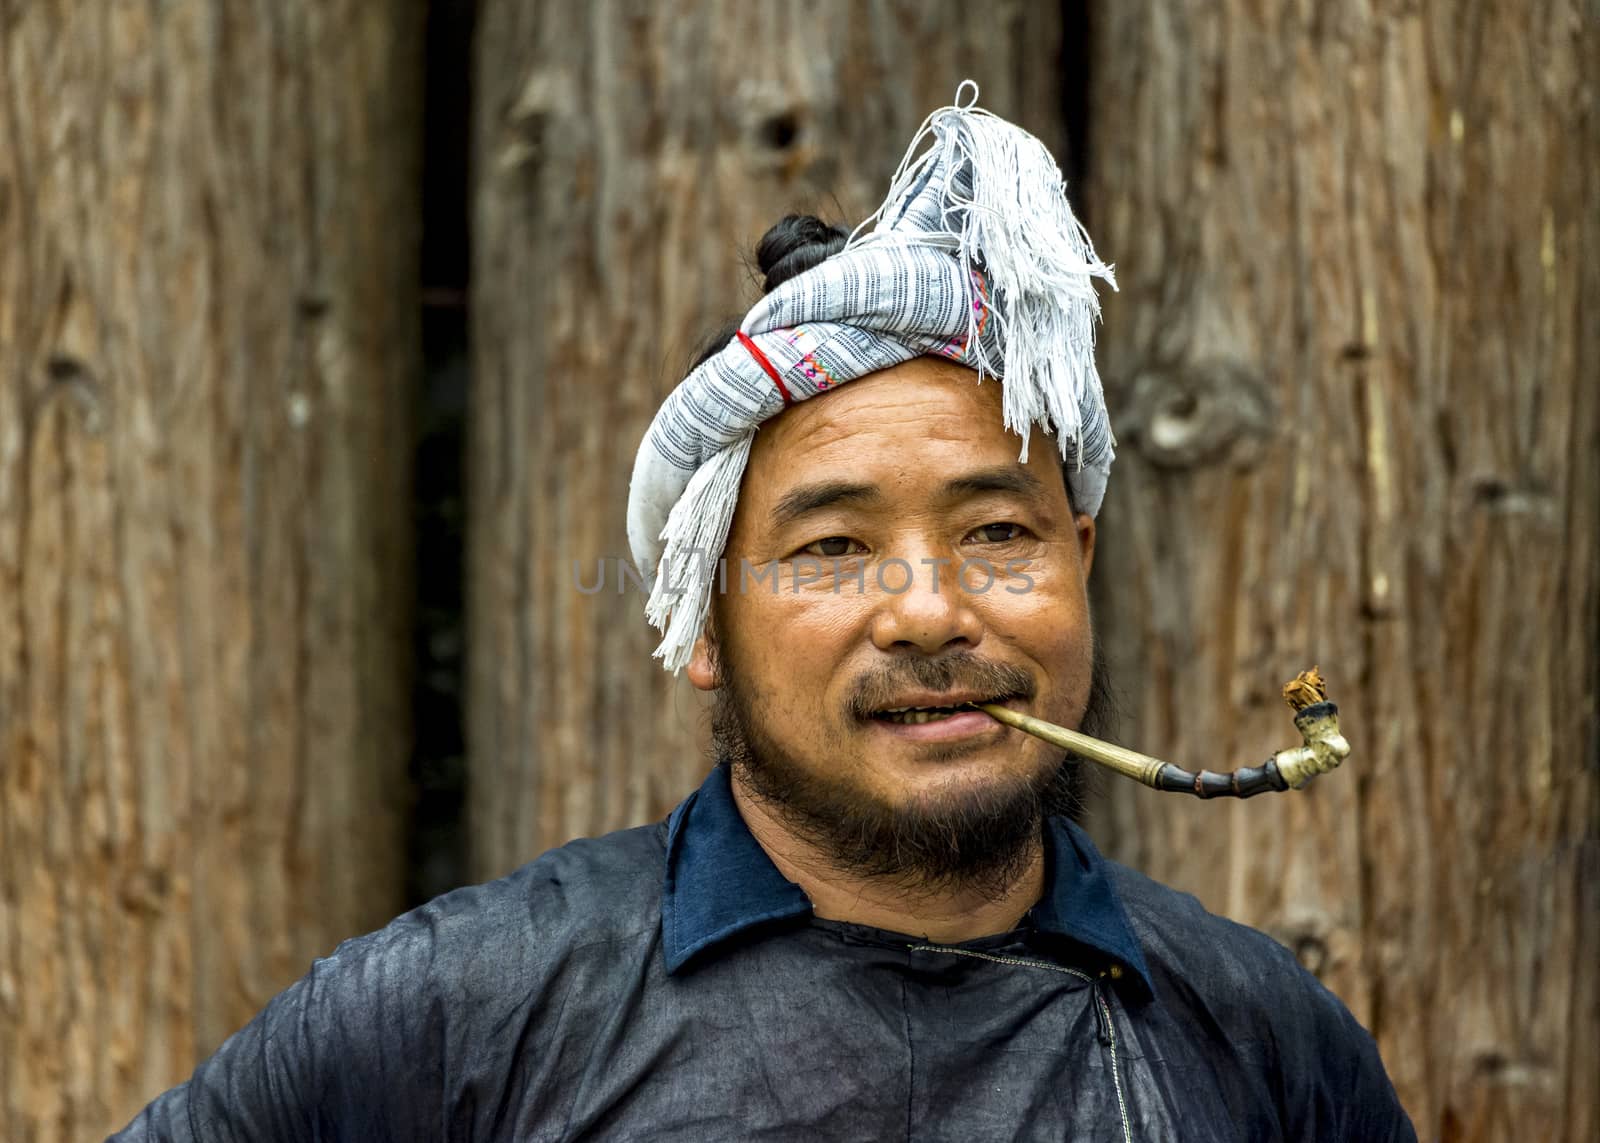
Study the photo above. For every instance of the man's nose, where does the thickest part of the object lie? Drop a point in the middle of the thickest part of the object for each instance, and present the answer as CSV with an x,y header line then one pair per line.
x,y
930,612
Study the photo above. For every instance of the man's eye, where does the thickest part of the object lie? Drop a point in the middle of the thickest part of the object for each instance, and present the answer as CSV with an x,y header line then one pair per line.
x,y
830,548
998,533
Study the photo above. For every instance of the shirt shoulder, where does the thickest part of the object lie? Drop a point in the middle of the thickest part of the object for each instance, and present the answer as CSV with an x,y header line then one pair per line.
x,y
466,942
1190,947
393,1026
1248,993
479,951
589,890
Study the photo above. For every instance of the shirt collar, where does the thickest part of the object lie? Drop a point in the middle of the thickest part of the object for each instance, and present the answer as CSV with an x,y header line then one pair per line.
x,y
720,882
1081,904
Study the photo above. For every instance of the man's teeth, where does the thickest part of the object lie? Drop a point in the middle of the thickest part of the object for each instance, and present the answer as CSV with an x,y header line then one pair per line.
x,y
915,715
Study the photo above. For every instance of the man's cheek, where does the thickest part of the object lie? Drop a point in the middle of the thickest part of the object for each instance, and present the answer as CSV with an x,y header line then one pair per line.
x,y
1073,696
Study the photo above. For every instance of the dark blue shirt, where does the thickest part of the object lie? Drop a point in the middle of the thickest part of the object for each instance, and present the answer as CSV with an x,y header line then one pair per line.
x,y
668,983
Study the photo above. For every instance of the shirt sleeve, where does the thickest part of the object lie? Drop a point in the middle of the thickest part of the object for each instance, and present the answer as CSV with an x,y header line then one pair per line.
x,y
348,1051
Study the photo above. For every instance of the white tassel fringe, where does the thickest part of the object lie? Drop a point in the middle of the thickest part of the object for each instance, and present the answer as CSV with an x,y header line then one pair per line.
x,y
1017,227
696,530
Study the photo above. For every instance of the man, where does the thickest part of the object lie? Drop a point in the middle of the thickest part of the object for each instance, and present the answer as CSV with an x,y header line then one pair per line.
x,y
869,922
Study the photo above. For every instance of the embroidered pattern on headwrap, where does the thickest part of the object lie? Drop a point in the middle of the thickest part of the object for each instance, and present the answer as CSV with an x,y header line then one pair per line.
x,y
957,345
805,342
975,255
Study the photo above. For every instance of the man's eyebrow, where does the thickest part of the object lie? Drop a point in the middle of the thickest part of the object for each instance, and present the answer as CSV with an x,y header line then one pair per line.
x,y
810,497
1018,480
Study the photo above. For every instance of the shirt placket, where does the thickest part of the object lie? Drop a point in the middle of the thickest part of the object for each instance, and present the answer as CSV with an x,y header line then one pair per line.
x,y
1098,998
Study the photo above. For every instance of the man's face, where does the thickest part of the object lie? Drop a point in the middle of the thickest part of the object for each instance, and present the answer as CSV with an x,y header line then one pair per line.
x,y
868,493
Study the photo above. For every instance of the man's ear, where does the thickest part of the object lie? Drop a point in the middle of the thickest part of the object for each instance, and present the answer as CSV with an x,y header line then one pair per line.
x,y
1086,534
702,667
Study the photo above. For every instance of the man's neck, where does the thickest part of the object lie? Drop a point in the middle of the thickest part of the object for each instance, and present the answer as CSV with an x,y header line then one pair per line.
x,y
947,915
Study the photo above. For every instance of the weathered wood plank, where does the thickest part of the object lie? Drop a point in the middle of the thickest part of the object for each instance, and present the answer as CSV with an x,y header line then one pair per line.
x,y
1353,374
208,316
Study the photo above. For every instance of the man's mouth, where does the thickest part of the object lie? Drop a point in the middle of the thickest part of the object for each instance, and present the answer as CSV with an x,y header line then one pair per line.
x,y
917,715
914,715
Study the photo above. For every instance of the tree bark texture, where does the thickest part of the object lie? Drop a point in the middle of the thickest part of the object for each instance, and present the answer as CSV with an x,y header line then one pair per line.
x,y
208,230
626,155
1353,374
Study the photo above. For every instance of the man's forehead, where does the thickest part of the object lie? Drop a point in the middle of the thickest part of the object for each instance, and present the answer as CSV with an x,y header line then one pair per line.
x,y
894,410
914,394
927,425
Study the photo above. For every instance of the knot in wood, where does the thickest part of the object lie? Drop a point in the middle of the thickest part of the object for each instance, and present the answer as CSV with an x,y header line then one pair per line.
x,y
1207,412
777,128
546,98
781,131
70,379
1312,953
1309,937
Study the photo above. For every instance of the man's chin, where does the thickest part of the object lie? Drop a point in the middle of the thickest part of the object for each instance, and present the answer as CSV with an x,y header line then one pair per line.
x,y
929,783
967,820
956,781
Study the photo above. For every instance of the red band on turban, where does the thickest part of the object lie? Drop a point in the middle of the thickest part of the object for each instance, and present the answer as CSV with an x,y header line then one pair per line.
x,y
761,359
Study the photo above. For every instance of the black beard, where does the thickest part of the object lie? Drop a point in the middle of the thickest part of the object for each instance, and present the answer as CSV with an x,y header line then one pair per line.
x,y
979,842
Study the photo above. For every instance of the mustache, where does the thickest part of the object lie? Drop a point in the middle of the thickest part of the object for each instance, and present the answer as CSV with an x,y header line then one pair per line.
x,y
961,671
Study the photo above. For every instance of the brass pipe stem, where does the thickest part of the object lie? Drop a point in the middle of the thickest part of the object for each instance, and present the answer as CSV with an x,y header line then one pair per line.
x,y
1128,763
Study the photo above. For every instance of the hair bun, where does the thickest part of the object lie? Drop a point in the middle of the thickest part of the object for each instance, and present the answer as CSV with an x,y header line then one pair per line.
x,y
795,245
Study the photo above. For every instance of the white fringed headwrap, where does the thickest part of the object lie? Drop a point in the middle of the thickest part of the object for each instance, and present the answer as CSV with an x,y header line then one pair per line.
x,y
976,256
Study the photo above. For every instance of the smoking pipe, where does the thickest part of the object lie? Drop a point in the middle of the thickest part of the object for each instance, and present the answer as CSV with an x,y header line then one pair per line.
x,y
1322,748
